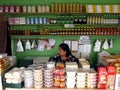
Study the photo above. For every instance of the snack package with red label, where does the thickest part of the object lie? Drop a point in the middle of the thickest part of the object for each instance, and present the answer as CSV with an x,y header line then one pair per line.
x,y
111,77
102,78
59,76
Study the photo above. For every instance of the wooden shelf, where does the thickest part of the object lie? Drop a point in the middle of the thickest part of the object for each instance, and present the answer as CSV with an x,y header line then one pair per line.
x,y
63,24
56,13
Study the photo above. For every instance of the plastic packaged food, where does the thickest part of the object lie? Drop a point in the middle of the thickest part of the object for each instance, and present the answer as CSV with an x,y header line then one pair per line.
x,y
59,71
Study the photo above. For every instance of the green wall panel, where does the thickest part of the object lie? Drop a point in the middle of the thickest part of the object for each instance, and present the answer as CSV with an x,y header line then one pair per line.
x,y
60,39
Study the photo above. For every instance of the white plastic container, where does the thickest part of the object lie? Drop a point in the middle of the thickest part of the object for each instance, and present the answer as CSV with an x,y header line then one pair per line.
x,y
70,79
80,86
81,83
70,84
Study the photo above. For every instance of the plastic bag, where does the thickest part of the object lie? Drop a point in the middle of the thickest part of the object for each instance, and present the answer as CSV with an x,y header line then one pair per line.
x,y
111,44
105,45
28,45
97,46
33,44
19,46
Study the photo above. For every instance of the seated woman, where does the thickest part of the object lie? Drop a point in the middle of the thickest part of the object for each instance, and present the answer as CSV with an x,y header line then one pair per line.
x,y
64,55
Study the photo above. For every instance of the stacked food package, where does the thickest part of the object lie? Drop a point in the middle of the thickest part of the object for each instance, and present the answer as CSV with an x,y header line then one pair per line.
x,y
4,62
70,78
38,78
59,75
91,78
14,76
28,78
102,78
1,65
111,77
48,78
81,78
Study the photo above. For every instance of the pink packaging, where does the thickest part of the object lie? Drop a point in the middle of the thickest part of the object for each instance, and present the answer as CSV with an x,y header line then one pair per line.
x,y
7,9
18,9
12,9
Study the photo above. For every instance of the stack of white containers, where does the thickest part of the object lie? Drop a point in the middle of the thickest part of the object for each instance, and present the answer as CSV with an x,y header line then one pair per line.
x,y
28,78
15,75
81,78
38,78
48,77
70,78
91,78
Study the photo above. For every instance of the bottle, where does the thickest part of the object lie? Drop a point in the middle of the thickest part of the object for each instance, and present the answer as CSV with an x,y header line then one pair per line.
x,y
67,8
63,8
53,8
80,7
77,8
76,21
29,9
24,9
47,9
84,20
39,9
101,20
59,8
71,8
74,8
56,8
43,9
33,9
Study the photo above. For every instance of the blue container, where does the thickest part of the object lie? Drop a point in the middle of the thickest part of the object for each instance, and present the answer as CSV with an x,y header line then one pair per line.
x,y
44,21
40,21
32,20
27,20
36,21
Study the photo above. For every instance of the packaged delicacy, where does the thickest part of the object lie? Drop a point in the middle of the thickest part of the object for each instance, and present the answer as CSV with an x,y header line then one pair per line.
x,y
111,77
102,78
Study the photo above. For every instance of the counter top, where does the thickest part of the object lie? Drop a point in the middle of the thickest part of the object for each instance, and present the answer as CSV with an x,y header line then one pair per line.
x,y
51,89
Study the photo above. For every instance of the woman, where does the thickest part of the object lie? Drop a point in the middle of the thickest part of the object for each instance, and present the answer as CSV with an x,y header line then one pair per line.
x,y
64,55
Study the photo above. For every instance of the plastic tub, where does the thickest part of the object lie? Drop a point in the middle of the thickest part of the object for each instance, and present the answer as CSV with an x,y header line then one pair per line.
x,y
70,84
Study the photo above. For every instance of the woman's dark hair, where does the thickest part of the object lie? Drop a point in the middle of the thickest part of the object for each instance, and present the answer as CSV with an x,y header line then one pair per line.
x,y
65,47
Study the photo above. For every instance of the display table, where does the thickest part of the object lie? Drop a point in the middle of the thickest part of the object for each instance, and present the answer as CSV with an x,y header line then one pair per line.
x,y
48,89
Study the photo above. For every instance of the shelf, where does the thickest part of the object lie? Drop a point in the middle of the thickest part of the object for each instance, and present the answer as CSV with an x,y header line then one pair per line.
x,y
32,24
63,24
57,13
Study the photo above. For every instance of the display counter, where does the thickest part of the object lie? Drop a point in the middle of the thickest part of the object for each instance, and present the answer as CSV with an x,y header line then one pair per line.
x,y
49,89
